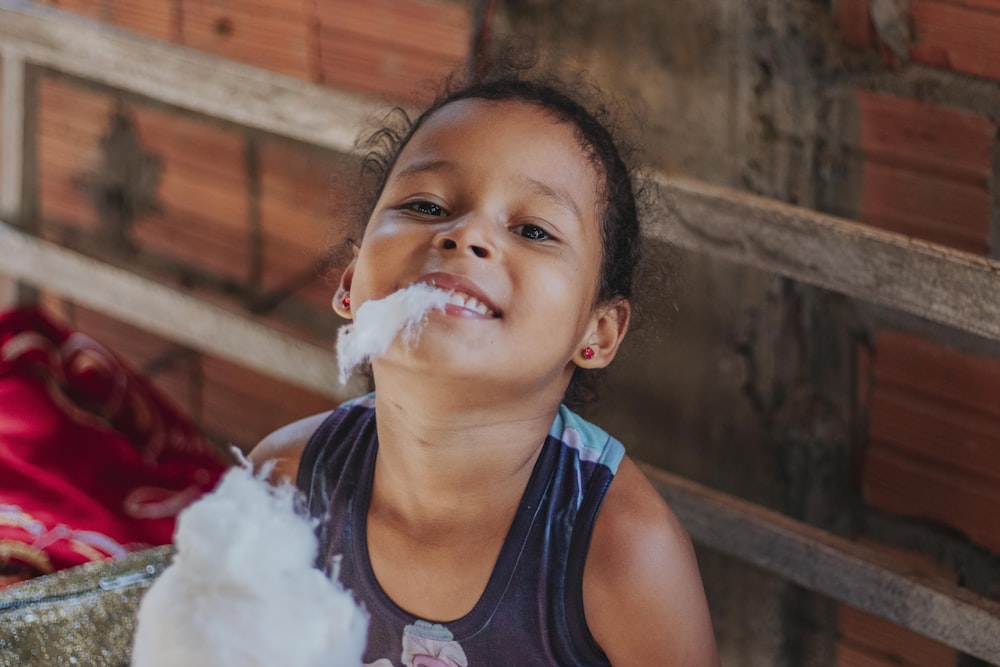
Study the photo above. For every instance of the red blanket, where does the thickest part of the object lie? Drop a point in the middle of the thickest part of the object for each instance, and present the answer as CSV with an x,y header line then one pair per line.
x,y
94,461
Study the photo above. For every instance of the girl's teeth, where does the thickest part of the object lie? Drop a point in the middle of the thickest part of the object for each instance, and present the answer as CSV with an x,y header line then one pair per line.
x,y
469,302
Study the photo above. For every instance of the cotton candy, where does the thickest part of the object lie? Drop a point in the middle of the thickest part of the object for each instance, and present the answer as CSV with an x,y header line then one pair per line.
x,y
378,322
243,591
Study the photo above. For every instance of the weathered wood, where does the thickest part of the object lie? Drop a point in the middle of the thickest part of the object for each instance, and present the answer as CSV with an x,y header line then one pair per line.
x,y
11,134
183,77
169,313
925,279
844,570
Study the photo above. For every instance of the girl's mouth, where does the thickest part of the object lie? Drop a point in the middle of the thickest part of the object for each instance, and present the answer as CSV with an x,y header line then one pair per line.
x,y
460,301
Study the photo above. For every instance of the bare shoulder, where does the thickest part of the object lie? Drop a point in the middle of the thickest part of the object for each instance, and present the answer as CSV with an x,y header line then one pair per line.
x,y
643,595
284,446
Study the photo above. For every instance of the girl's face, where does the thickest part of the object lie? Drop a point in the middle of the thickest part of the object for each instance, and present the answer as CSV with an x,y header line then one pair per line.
x,y
498,202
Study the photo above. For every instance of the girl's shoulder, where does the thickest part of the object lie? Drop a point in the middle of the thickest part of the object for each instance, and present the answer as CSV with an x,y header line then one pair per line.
x,y
643,596
285,446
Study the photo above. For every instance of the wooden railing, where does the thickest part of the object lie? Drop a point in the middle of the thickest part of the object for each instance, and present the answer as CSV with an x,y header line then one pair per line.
x,y
924,279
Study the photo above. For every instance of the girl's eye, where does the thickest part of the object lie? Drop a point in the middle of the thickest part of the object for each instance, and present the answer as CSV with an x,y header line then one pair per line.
x,y
531,232
425,208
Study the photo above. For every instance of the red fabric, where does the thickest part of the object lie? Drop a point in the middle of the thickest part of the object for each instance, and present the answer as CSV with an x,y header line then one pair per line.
x,y
94,461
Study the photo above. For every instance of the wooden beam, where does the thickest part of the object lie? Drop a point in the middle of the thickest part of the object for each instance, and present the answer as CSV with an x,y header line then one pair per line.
x,y
924,279
11,134
170,313
183,77
836,567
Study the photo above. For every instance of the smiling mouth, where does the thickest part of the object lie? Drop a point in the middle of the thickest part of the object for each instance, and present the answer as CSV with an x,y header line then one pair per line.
x,y
469,302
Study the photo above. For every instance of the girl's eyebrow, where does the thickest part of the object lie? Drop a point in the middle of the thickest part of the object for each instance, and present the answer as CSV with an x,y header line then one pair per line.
x,y
426,165
556,196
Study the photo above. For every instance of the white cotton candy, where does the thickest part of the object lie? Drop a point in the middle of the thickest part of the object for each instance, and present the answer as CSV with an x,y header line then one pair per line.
x,y
377,323
243,591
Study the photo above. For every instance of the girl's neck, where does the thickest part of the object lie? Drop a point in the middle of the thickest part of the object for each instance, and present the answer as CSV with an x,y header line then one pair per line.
x,y
444,454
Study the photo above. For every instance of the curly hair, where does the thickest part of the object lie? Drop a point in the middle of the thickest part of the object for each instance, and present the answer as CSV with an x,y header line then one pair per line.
x,y
620,226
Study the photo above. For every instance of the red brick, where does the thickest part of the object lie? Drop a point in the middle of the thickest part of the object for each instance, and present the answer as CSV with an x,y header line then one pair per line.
x,y
924,137
202,192
855,22
927,171
71,120
154,18
304,207
274,36
400,49
428,26
243,406
907,486
937,371
957,36
926,207
934,435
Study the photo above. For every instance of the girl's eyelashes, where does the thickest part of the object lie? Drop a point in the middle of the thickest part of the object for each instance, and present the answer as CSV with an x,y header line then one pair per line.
x,y
425,208
526,230
531,232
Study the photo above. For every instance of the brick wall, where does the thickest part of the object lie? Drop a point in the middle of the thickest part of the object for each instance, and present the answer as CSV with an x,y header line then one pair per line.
x,y
959,36
398,49
933,448
196,203
931,443
927,172
245,220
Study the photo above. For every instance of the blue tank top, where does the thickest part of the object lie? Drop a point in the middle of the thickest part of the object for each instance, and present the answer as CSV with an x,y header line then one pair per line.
x,y
531,611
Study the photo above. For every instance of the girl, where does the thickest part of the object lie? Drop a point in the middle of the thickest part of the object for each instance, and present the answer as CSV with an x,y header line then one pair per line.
x,y
478,519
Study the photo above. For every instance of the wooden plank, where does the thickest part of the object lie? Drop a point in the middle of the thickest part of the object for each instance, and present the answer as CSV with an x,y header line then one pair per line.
x,y
925,279
11,133
841,569
170,313
183,77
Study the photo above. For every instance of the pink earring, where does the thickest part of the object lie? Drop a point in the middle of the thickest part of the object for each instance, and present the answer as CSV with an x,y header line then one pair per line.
x,y
346,302
588,353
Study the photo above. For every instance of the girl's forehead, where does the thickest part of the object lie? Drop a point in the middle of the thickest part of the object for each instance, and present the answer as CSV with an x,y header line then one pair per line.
x,y
468,119
504,134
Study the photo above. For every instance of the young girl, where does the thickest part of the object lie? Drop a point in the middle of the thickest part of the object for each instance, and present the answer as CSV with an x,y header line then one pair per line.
x,y
476,518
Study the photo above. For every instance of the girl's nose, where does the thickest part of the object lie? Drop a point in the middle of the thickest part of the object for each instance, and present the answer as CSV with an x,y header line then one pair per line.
x,y
469,236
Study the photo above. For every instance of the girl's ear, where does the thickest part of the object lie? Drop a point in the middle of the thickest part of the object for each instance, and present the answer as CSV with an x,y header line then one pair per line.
x,y
342,297
607,330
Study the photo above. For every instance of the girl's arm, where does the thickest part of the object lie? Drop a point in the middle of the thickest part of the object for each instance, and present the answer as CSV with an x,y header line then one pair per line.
x,y
643,596
285,446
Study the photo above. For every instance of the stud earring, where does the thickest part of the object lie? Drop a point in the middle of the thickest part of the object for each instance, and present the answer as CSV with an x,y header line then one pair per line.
x,y
588,353
346,302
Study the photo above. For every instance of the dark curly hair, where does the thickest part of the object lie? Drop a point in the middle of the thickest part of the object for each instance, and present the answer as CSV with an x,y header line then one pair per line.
x,y
620,227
